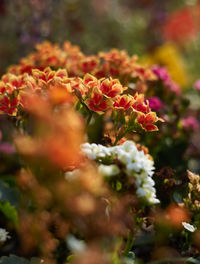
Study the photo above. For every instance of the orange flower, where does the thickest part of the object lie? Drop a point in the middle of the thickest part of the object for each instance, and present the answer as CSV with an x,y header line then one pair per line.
x,y
88,64
11,82
15,81
44,76
111,88
50,55
3,87
146,121
90,81
61,73
143,73
123,102
139,105
59,94
76,85
115,55
8,106
98,103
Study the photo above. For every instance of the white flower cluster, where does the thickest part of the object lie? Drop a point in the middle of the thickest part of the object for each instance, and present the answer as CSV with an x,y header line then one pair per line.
x,y
137,164
3,235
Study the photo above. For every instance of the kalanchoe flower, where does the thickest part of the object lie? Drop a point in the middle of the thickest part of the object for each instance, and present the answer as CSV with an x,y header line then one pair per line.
x,y
146,121
8,106
155,103
123,102
90,81
99,95
88,64
139,103
114,63
97,103
111,88
137,165
190,123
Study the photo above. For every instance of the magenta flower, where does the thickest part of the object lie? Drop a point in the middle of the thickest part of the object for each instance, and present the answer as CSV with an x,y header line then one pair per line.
x,y
155,103
197,85
6,148
162,74
190,123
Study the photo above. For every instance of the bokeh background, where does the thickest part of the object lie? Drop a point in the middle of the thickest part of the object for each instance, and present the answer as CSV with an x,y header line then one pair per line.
x,y
165,32
162,33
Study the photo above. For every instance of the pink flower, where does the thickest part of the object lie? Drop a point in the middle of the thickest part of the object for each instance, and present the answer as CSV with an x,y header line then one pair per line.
x,y
6,148
197,85
175,88
190,123
162,74
155,103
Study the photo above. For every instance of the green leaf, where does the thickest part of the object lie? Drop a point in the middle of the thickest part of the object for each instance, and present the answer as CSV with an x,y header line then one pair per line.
x,y
70,258
118,186
115,259
9,211
9,180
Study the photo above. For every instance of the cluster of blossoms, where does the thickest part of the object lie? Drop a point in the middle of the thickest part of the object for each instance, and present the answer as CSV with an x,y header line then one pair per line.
x,y
138,166
114,63
98,95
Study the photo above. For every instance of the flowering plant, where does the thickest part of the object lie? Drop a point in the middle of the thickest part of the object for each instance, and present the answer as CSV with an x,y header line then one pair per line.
x,y
84,190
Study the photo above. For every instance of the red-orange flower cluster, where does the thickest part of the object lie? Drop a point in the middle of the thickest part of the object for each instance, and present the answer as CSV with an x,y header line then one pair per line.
x,y
99,95
115,63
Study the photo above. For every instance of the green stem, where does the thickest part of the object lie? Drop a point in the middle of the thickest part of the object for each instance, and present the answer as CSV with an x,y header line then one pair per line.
x,y
90,113
120,137
89,119
129,244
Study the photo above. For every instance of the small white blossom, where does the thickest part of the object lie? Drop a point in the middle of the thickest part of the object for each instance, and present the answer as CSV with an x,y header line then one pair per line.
x,y
94,151
108,170
4,235
188,227
75,244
